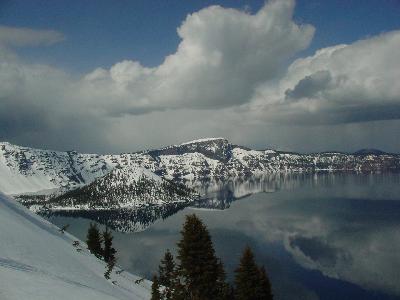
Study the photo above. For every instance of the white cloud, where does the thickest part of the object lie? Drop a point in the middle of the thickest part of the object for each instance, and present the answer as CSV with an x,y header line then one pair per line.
x,y
344,83
223,55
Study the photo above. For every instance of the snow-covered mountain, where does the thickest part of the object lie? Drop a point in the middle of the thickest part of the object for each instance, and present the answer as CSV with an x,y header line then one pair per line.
x,y
130,191
127,187
127,199
24,169
38,262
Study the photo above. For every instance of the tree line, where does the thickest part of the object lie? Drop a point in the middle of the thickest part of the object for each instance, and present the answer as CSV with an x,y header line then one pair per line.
x,y
197,273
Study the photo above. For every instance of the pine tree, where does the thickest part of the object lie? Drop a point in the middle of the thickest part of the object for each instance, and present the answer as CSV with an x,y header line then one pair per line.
x,y
166,272
109,251
247,278
155,289
224,289
264,285
179,291
109,268
93,240
198,264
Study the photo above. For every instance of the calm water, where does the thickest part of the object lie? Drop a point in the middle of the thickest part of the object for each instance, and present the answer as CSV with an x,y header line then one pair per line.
x,y
320,237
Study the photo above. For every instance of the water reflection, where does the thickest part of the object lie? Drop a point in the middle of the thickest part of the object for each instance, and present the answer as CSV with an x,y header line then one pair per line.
x,y
122,220
219,194
357,240
325,236
215,194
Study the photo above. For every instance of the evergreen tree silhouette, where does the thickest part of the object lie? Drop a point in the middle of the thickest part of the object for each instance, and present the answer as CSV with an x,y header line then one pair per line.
x,y
198,268
179,291
264,285
109,251
247,278
167,275
224,289
93,240
155,289
110,266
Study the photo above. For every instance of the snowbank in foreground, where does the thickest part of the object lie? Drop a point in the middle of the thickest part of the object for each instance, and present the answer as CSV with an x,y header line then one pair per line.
x,y
38,262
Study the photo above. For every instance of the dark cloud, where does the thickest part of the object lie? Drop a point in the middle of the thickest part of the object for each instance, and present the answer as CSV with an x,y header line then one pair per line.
x,y
339,84
310,85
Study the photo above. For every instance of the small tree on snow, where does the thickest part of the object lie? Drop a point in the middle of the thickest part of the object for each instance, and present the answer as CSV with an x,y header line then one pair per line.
x,y
109,268
93,240
109,251
62,229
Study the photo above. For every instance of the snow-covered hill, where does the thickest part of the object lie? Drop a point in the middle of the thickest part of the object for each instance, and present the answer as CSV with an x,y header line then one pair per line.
x,y
24,169
127,188
38,262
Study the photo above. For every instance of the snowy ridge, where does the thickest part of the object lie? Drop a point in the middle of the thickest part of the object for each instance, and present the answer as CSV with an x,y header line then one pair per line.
x,y
24,169
202,140
39,262
128,188
130,175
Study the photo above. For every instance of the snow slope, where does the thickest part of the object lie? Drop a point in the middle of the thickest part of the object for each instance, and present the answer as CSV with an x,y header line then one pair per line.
x,y
38,262
24,169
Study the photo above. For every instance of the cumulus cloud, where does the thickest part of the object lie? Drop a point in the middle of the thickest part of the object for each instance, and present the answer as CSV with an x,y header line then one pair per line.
x,y
229,68
339,84
17,37
223,55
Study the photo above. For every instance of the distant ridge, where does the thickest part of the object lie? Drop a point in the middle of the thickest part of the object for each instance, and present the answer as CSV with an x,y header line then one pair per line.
x,y
27,170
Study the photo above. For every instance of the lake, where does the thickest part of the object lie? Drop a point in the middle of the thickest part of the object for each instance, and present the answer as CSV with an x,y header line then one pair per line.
x,y
327,236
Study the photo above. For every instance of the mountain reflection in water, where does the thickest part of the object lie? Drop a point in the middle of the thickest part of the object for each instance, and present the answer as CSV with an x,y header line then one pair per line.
x,y
215,194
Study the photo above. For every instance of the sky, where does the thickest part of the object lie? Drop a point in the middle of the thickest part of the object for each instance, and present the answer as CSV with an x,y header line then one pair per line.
x,y
121,76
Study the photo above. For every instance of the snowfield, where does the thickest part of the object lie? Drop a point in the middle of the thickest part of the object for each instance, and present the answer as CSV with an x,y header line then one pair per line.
x,y
38,262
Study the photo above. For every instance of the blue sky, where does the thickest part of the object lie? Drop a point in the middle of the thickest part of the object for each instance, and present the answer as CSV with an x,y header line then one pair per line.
x,y
103,32
118,76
